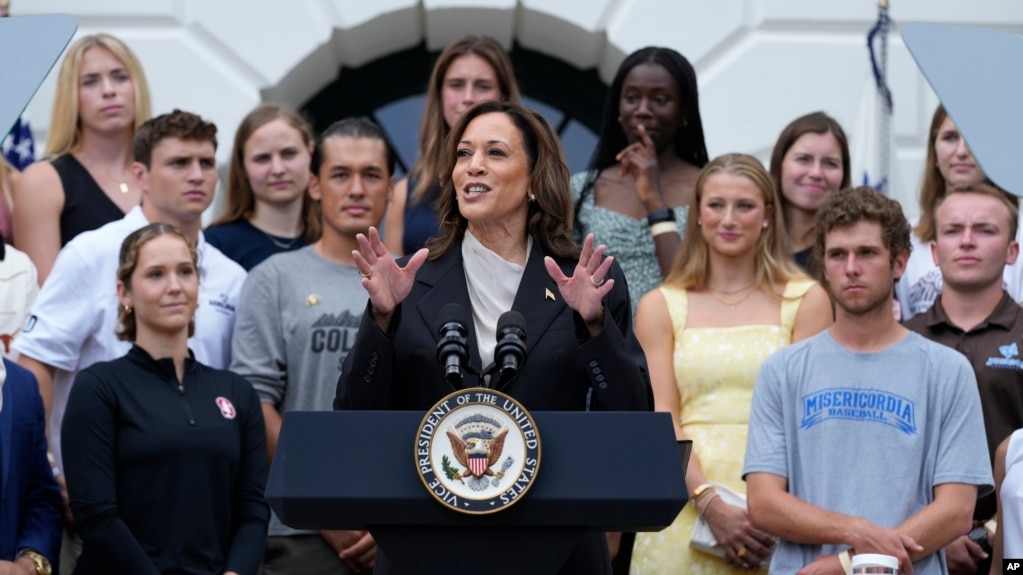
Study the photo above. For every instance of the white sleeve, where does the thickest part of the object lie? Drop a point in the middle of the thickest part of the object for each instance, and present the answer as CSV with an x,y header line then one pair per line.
x,y
67,309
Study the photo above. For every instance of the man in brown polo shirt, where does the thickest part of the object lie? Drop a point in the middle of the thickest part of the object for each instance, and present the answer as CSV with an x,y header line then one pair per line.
x,y
976,227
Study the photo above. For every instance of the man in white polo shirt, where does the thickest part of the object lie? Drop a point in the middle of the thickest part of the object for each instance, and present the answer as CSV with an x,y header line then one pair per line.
x,y
72,324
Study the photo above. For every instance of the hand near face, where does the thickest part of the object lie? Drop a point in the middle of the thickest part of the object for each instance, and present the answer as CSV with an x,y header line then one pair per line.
x,y
640,160
584,291
387,283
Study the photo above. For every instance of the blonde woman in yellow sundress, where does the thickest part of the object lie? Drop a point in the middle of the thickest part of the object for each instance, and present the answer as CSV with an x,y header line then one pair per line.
x,y
733,297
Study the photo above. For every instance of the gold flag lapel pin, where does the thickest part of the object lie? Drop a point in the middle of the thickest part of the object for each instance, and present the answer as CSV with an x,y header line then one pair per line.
x,y
549,294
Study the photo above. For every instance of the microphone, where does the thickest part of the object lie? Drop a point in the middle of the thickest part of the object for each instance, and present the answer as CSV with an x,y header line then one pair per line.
x,y
510,351
452,343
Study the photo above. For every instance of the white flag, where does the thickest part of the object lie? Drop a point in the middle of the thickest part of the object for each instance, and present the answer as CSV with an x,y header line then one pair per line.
x,y
865,151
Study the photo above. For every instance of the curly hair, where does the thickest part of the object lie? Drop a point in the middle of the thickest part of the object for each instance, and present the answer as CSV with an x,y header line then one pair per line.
x,y
177,124
863,203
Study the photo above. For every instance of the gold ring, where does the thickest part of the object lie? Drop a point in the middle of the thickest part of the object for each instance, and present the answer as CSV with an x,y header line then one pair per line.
x,y
741,552
594,282
367,276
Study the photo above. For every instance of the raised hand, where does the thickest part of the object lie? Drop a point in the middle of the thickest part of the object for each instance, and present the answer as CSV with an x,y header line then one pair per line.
x,y
386,283
584,291
640,160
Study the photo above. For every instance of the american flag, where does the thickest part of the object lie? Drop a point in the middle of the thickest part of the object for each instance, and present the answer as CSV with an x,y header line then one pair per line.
x,y
19,148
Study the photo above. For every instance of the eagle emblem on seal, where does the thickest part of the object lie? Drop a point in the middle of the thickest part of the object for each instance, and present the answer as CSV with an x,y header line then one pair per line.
x,y
477,443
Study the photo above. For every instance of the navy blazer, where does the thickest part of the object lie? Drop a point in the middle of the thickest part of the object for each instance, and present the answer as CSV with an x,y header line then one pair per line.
x,y
31,509
399,370
564,367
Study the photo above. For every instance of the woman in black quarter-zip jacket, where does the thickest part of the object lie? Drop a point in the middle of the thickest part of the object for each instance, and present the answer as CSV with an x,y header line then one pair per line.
x,y
166,457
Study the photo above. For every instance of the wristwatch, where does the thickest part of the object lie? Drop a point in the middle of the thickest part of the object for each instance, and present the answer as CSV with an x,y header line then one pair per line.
x,y
661,215
42,564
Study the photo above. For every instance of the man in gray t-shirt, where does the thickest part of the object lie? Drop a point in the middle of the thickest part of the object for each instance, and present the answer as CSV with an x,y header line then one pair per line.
x,y
298,317
866,438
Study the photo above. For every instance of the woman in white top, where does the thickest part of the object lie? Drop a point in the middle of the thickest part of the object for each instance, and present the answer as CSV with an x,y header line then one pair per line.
x,y
949,164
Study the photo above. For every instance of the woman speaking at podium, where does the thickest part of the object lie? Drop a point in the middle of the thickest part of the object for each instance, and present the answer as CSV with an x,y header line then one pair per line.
x,y
505,244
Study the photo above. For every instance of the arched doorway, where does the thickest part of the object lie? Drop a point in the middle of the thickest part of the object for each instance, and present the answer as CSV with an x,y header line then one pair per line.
x,y
391,91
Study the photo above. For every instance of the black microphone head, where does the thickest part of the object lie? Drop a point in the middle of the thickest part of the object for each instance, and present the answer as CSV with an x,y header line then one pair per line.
x,y
510,351
454,313
512,319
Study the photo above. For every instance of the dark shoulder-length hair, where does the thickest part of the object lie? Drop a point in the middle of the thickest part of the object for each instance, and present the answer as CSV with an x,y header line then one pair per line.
x,y
689,141
550,216
812,123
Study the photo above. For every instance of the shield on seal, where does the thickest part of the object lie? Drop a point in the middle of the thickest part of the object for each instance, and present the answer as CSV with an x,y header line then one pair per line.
x,y
478,463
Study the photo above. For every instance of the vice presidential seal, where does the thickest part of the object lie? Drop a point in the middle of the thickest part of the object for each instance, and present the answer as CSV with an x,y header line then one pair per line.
x,y
477,451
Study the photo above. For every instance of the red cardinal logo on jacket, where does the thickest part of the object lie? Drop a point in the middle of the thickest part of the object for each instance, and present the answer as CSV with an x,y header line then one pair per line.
x,y
226,408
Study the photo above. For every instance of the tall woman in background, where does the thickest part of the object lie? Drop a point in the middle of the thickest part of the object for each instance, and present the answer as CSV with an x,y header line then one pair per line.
x,y
635,195
733,297
949,163
84,182
165,457
268,210
471,69
809,161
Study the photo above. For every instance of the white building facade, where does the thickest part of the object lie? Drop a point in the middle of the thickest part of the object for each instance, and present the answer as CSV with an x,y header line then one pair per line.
x,y
759,63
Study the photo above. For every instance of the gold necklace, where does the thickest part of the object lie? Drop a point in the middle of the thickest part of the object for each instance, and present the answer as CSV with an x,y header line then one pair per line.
x,y
122,184
732,304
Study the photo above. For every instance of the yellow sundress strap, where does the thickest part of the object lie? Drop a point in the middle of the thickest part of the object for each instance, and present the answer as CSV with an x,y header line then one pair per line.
x,y
677,301
794,292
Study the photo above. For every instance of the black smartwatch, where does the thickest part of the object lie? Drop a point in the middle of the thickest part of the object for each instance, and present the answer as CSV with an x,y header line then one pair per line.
x,y
661,215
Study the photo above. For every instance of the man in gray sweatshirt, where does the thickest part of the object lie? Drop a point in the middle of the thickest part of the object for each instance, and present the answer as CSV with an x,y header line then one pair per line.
x,y
298,317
